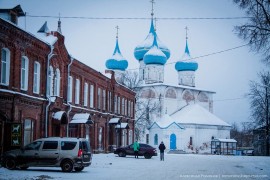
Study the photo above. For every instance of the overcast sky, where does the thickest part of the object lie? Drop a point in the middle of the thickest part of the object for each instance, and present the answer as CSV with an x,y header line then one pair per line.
x,y
92,41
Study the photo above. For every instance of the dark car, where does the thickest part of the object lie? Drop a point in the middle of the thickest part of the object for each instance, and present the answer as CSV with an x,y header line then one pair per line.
x,y
145,150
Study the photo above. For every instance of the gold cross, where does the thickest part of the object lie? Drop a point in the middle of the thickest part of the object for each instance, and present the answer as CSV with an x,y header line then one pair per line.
x,y
186,28
117,28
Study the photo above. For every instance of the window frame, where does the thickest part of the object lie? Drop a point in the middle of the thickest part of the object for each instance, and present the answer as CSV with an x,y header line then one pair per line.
x,y
36,78
5,74
24,73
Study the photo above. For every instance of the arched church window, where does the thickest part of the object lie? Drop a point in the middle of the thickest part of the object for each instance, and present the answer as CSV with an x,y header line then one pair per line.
x,y
170,93
156,139
188,96
202,97
148,93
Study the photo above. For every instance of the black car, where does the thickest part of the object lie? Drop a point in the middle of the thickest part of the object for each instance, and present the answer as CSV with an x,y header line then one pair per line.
x,y
145,150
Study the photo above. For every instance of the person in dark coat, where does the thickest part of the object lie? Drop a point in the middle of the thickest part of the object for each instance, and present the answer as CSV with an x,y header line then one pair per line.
x,y
161,148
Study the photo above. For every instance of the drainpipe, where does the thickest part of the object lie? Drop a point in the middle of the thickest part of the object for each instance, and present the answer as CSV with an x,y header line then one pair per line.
x,y
50,55
70,107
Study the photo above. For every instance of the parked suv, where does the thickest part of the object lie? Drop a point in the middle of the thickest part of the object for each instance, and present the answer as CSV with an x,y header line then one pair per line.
x,y
67,153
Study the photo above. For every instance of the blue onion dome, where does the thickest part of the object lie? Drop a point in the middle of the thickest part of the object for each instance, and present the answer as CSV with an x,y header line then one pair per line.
x,y
142,48
117,61
186,64
155,54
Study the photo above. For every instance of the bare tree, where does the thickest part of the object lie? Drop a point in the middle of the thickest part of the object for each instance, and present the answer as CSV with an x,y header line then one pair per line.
x,y
143,107
257,30
259,95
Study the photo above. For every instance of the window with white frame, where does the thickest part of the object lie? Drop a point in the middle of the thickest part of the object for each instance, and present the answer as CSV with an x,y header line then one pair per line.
x,y
110,101
131,109
91,96
5,66
77,91
103,99
70,88
118,105
50,82
36,80
99,98
126,106
85,100
115,103
130,136
24,73
57,79
123,106
28,131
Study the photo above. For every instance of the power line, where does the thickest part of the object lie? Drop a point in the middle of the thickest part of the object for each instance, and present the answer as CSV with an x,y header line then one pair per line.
x,y
138,18
232,99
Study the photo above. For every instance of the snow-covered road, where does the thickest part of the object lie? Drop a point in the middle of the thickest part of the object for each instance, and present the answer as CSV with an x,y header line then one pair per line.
x,y
175,166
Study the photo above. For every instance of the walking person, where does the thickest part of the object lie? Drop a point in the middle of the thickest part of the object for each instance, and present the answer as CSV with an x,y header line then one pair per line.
x,y
161,148
136,148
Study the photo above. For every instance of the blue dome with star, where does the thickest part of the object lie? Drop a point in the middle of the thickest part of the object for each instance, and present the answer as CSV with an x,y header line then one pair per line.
x,y
186,64
155,54
146,45
117,61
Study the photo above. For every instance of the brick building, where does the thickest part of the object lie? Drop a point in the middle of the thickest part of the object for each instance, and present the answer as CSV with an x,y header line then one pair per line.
x,y
46,92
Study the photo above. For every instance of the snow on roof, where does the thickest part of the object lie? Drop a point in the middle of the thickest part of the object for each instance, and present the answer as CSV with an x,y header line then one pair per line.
x,y
58,115
165,121
225,140
196,114
122,126
114,121
48,38
81,116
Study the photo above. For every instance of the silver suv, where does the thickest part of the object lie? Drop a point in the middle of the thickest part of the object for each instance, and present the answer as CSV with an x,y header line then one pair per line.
x,y
67,153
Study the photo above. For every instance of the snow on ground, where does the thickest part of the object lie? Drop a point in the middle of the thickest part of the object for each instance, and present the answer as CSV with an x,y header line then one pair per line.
x,y
175,166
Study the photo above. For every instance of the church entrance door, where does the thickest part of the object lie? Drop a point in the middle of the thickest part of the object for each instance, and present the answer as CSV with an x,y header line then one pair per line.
x,y
173,141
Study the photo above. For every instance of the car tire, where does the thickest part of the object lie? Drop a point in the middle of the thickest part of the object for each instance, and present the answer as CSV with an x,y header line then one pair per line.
x,y
67,166
10,163
122,154
78,169
147,156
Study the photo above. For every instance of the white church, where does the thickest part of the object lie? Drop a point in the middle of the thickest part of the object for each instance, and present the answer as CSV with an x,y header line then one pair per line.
x,y
184,120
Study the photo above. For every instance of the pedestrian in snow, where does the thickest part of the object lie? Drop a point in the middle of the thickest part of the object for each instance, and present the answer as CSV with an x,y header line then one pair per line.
x,y
136,148
161,148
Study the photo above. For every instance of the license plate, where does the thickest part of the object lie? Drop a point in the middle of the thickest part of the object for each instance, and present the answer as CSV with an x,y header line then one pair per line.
x,y
86,156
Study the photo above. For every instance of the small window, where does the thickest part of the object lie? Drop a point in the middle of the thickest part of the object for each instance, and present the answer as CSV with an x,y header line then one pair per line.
x,y
33,146
68,145
36,81
85,146
24,73
50,145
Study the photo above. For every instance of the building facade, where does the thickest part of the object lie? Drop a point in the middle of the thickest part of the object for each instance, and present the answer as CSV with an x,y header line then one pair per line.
x,y
183,118
46,92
